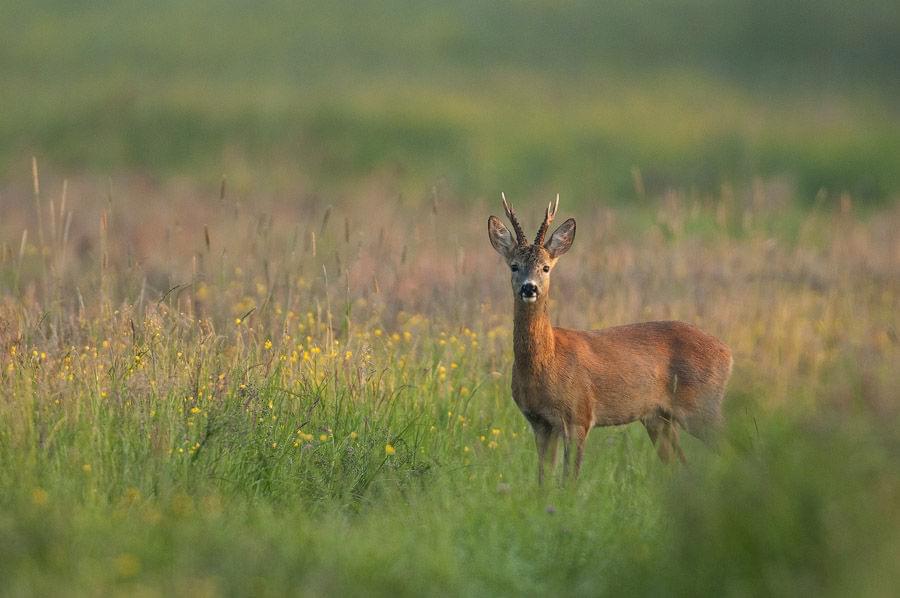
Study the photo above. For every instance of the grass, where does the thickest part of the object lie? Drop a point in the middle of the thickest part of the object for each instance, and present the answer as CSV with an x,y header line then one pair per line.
x,y
295,380
521,96
270,392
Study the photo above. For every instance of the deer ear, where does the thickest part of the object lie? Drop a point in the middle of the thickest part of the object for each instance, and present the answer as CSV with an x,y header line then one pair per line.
x,y
561,239
501,238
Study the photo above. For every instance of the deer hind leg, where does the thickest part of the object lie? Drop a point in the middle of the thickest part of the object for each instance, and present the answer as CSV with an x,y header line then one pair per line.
x,y
671,433
654,426
664,437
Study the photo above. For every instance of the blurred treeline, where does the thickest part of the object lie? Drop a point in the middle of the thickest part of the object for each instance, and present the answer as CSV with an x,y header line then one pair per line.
x,y
617,99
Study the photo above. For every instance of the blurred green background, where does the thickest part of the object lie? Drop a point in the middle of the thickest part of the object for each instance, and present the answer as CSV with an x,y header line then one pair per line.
x,y
615,99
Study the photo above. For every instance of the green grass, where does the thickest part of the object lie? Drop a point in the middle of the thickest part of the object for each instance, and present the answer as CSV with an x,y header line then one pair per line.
x,y
271,396
793,506
519,96
301,387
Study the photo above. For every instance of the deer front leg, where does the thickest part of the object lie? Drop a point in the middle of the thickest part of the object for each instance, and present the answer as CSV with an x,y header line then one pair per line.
x,y
546,441
581,435
574,438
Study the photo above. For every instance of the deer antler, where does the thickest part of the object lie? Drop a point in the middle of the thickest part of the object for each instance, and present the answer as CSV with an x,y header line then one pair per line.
x,y
520,234
548,218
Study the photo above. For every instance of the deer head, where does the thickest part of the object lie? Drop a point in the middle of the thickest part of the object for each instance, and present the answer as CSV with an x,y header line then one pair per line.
x,y
531,264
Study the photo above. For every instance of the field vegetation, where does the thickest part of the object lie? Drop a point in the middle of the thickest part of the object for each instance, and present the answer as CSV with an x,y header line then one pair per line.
x,y
577,97
267,394
254,341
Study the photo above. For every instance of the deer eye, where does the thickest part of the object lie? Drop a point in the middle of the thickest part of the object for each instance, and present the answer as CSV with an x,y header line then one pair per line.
x,y
514,267
546,268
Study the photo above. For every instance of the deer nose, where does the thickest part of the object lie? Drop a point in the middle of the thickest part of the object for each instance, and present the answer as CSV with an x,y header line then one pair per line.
x,y
529,289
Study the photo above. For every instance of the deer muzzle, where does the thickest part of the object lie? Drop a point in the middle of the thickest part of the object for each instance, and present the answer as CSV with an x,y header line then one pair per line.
x,y
529,292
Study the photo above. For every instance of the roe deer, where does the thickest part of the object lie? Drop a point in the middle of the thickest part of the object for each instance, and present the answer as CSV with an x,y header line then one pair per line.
x,y
567,381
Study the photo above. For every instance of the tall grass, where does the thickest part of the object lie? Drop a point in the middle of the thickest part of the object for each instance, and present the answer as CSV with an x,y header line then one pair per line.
x,y
219,390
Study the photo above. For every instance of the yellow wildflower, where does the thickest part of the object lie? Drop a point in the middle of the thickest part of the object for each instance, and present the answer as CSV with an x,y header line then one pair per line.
x,y
39,497
128,565
389,449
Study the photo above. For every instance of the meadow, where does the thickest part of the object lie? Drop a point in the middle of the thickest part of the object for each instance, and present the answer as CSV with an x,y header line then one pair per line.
x,y
254,340
579,98
269,393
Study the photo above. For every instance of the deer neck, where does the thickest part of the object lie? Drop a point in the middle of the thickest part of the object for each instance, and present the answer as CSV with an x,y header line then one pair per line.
x,y
533,342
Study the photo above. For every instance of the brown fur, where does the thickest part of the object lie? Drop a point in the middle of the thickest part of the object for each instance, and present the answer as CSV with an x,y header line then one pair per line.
x,y
566,382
